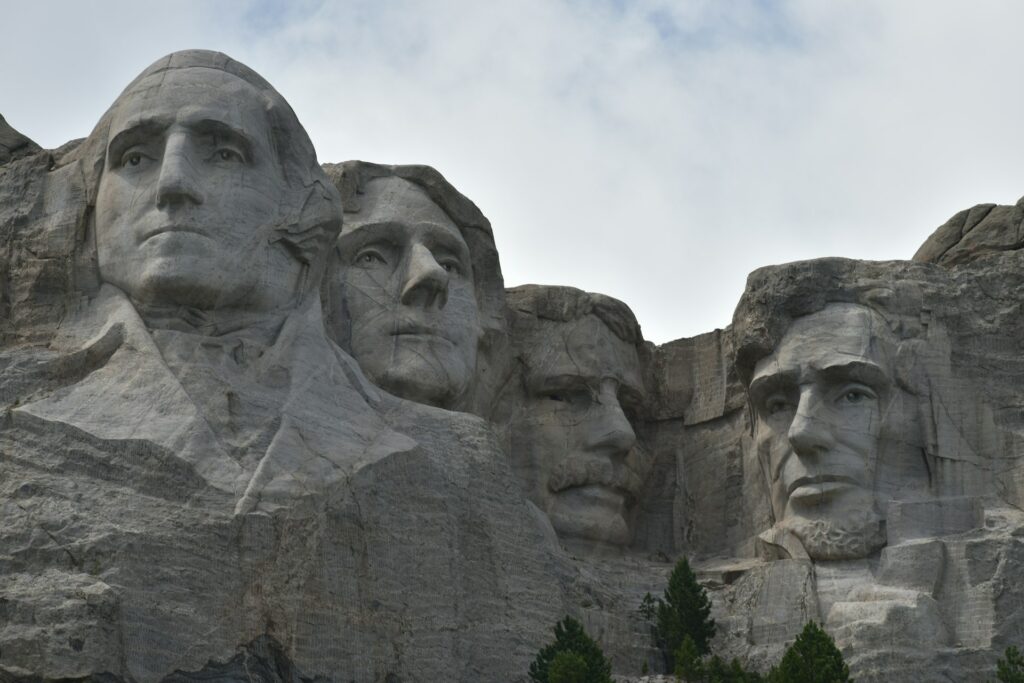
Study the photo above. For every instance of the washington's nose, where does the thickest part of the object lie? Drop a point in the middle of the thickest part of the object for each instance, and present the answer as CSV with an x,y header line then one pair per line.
x,y
179,181
610,429
809,433
426,281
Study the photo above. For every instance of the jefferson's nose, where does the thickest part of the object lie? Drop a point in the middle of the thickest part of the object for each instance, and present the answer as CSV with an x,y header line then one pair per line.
x,y
810,432
179,181
426,281
609,428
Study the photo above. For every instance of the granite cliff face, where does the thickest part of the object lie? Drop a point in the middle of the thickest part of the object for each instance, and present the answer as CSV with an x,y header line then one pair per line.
x,y
265,416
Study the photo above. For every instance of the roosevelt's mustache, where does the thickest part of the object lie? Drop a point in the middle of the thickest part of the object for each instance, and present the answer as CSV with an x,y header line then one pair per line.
x,y
626,475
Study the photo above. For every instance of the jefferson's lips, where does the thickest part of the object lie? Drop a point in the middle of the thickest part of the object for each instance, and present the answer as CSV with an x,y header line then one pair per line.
x,y
419,330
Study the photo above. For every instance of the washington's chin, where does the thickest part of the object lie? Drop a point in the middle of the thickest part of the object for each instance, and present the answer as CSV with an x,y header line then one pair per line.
x,y
180,282
592,513
419,382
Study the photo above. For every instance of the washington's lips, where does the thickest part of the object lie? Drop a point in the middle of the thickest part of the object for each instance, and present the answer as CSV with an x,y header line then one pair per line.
x,y
172,228
819,485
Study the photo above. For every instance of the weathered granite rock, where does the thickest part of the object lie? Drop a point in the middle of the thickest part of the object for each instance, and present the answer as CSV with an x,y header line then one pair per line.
x,y
414,289
190,464
203,475
576,394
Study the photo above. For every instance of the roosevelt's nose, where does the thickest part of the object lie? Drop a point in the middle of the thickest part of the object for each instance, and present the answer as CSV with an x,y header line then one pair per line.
x,y
609,428
810,432
426,281
179,179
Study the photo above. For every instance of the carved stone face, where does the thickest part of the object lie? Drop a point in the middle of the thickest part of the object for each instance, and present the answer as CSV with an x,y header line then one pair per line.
x,y
825,407
189,195
573,442
406,282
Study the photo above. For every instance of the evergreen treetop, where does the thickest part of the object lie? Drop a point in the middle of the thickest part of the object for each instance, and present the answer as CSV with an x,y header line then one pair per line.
x,y
570,637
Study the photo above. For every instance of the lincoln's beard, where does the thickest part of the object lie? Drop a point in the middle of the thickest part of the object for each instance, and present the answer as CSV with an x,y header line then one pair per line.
x,y
855,536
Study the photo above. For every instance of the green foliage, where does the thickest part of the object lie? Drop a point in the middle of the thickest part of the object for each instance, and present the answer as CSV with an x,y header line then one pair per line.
x,y
1010,667
568,667
813,658
688,664
692,669
570,637
648,607
685,611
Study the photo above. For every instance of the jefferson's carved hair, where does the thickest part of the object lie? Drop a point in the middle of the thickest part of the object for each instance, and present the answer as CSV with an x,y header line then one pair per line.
x,y
351,179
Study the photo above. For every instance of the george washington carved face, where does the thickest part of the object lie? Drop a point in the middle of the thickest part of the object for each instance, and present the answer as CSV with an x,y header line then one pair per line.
x,y
190,194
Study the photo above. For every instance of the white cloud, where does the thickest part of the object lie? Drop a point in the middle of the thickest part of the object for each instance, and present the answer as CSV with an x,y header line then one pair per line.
x,y
654,151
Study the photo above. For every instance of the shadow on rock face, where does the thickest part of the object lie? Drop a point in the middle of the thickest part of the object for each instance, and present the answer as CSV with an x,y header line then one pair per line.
x,y
261,661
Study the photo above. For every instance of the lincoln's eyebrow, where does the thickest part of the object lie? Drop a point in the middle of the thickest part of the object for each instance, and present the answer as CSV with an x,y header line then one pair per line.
x,y
767,382
134,133
865,372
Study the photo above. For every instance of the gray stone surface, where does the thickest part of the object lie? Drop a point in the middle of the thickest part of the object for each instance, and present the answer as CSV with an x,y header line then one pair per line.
x,y
414,289
577,389
264,419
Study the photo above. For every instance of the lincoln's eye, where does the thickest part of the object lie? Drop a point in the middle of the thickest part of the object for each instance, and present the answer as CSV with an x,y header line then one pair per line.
x,y
855,396
229,155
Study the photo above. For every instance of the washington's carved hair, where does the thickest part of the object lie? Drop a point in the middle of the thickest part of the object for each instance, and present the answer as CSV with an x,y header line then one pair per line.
x,y
314,216
567,304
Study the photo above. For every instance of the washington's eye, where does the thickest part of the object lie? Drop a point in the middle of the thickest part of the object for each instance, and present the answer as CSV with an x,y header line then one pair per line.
x,y
131,158
227,154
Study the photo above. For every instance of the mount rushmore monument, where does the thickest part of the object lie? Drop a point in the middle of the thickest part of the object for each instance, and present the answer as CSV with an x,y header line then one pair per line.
x,y
263,412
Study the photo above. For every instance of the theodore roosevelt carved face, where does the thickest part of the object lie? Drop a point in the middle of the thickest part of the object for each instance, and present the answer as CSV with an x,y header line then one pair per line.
x,y
574,447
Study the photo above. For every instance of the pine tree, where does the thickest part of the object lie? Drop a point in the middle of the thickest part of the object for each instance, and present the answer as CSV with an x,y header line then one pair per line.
x,y
570,637
1010,667
688,664
568,667
685,611
812,658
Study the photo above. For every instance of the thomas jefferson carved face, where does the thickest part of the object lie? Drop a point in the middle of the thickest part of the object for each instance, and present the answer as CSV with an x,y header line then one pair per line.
x,y
827,412
573,442
406,282
189,195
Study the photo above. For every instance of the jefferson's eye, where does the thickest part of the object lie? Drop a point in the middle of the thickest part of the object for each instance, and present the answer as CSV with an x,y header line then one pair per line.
x,y
451,266
856,394
369,258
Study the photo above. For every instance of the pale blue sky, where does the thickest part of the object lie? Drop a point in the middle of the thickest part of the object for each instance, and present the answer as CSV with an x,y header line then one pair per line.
x,y
656,151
